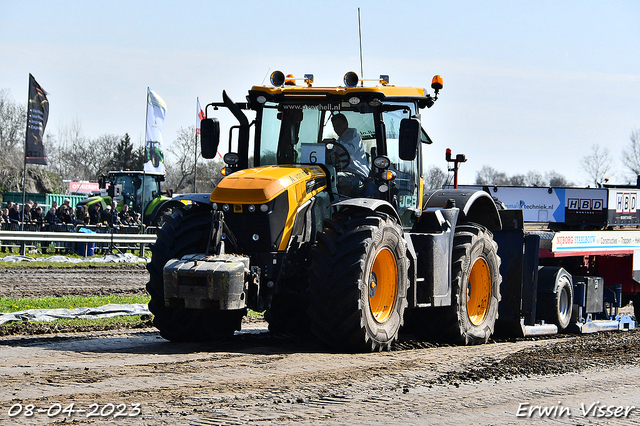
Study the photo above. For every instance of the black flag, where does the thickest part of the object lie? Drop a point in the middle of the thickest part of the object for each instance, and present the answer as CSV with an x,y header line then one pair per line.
x,y
37,116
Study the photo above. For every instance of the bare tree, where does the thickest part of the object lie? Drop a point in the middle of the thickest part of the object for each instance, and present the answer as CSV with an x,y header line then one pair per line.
x,y
63,150
434,178
490,176
631,155
180,173
75,156
597,164
209,174
518,180
556,179
535,179
13,122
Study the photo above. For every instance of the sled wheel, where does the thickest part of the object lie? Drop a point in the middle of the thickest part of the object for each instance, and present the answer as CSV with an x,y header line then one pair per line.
x,y
556,304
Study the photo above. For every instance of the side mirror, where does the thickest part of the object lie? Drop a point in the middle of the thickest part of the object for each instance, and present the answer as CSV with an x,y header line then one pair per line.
x,y
410,132
115,191
209,137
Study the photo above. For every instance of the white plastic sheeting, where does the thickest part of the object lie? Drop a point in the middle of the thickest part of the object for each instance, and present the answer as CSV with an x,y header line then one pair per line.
x,y
109,258
106,311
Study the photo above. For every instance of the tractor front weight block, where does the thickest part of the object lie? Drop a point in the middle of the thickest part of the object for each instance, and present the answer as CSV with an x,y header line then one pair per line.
x,y
199,281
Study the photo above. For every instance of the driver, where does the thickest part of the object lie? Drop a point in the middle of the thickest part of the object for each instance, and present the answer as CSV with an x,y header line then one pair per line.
x,y
351,140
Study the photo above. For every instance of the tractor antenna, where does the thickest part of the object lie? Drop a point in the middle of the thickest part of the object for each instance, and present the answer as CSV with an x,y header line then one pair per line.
x,y
360,37
265,76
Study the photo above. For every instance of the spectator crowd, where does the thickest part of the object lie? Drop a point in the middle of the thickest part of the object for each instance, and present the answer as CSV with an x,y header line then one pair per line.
x,y
34,218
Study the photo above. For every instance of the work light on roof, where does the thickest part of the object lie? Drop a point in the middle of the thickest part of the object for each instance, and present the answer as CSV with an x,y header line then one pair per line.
x,y
351,79
277,78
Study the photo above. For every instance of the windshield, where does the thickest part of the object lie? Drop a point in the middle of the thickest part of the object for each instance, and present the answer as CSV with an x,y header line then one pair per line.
x,y
298,133
132,190
315,133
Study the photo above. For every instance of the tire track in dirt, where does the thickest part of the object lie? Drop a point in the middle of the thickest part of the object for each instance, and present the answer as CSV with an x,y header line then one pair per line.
x,y
56,282
262,378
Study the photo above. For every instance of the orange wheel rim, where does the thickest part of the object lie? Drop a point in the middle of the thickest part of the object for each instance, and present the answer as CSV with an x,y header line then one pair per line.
x,y
478,291
383,285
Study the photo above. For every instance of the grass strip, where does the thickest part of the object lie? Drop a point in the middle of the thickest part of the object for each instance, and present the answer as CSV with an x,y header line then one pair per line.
x,y
69,325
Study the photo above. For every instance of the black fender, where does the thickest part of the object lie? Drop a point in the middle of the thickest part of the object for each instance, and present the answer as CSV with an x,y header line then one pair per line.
x,y
369,204
176,202
475,206
196,197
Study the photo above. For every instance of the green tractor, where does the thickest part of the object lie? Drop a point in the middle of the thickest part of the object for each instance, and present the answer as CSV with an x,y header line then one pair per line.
x,y
153,153
127,187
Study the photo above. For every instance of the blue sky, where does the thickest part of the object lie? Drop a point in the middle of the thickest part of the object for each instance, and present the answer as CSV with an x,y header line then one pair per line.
x,y
528,85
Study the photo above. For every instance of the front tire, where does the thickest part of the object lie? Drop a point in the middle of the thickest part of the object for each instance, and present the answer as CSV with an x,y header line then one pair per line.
x,y
165,212
287,314
186,231
358,286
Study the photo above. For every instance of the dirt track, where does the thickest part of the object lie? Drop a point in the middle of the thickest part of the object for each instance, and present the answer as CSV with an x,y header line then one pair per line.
x,y
260,379
91,281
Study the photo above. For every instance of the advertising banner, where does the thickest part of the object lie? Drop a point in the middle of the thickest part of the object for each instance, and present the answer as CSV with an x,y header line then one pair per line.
x,y
37,116
156,111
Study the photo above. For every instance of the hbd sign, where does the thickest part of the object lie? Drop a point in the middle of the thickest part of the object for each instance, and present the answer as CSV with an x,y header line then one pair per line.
x,y
626,202
585,204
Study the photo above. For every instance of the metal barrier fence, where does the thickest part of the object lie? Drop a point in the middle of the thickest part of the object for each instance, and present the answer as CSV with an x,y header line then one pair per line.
x,y
82,239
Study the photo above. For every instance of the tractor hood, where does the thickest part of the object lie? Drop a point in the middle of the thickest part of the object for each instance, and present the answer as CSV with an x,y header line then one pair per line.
x,y
261,204
263,184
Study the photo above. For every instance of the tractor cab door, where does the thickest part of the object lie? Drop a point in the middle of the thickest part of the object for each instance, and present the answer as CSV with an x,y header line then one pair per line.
x,y
128,190
146,191
405,188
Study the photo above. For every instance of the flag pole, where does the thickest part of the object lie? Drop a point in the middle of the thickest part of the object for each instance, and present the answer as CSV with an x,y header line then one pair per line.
x,y
195,162
24,173
146,124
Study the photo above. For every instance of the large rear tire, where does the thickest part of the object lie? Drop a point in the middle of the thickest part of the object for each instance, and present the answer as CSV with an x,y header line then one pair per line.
x,y
358,286
186,231
475,287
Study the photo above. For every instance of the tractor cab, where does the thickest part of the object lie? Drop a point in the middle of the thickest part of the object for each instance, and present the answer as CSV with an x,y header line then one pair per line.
x,y
134,188
366,139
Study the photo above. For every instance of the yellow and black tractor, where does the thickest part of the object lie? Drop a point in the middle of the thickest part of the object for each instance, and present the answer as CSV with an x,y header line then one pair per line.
x,y
327,230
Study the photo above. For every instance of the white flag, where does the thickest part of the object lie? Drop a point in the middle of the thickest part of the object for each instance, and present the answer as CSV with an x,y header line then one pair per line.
x,y
156,110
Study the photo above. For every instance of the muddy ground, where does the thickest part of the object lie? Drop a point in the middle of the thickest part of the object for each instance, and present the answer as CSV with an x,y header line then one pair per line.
x,y
136,377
